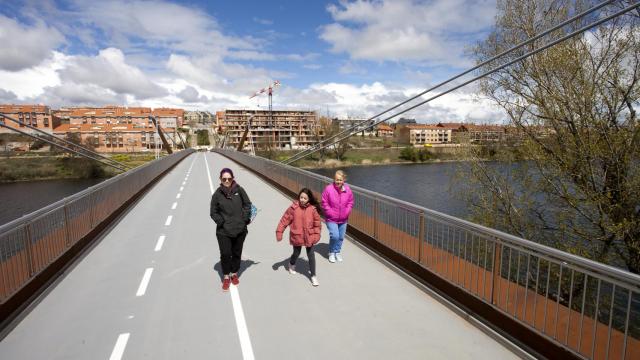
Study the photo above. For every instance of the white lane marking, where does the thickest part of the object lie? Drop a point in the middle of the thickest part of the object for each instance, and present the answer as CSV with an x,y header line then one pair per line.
x,y
241,324
174,206
159,243
178,196
118,349
168,222
181,188
184,182
145,282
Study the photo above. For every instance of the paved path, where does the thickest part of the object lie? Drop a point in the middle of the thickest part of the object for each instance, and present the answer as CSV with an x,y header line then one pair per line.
x,y
104,309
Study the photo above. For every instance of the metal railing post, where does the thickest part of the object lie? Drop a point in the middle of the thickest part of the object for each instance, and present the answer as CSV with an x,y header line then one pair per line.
x,y
375,218
497,262
66,224
27,246
421,231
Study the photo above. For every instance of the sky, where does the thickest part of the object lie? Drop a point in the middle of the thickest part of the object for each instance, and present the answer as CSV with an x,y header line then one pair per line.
x,y
340,58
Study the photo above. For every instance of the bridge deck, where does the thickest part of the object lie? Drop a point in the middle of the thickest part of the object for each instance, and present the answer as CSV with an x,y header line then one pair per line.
x,y
360,310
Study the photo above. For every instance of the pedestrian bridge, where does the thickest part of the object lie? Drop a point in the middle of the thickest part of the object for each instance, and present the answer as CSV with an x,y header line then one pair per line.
x,y
133,279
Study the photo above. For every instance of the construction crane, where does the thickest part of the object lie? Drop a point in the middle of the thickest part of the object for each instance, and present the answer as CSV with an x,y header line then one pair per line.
x,y
269,90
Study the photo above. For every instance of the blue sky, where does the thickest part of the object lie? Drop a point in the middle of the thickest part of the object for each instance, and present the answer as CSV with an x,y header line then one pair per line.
x,y
345,58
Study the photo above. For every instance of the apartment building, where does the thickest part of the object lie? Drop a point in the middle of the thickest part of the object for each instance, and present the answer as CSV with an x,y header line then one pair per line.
x,y
199,117
117,137
167,117
38,116
420,134
281,129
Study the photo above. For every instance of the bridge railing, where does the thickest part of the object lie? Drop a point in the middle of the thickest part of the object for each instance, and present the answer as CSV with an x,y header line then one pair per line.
x,y
587,307
31,243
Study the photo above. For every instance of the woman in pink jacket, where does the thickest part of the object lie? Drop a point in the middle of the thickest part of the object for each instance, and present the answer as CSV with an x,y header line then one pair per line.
x,y
303,218
337,202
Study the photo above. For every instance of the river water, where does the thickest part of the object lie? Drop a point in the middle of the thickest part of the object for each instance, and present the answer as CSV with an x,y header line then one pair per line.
x,y
21,198
429,185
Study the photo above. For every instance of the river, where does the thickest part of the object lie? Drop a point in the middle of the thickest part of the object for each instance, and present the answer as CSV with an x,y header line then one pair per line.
x,y
429,185
21,198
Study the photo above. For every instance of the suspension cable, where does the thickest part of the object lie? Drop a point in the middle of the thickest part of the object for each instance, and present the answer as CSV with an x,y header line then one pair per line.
x,y
303,154
64,147
533,52
65,141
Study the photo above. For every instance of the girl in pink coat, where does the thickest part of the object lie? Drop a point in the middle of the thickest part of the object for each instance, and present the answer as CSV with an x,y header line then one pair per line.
x,y
303,218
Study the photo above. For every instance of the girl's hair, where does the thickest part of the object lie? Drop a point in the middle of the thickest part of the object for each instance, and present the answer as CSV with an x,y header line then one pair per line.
x,y
312,199
342,174
226,170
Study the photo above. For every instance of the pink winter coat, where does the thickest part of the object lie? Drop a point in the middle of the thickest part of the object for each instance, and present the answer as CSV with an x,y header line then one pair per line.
x,y
337,203
304,225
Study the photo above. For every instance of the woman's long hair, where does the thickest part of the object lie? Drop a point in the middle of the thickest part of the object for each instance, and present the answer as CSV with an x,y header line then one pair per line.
x,y
312,199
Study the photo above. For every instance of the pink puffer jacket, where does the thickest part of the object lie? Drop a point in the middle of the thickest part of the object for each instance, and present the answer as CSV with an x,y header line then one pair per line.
x,y
337,203
304,222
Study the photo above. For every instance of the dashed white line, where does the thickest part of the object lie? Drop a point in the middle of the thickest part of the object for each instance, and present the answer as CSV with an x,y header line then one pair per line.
x,y
145,282
118,349
159,243
241,324
184,182
181,188
168,222
174,206
178,196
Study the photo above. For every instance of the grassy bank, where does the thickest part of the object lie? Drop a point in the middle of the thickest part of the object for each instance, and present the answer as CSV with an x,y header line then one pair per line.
x,y
376,156
43,167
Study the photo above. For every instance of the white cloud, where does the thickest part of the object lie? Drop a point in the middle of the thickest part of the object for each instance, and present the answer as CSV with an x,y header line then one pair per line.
x,y
31,82
79,94
24,47
367,100
110,71
191,95
7,96
425,31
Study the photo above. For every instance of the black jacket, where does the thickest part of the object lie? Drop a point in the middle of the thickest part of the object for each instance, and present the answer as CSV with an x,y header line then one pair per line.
x,y
231,213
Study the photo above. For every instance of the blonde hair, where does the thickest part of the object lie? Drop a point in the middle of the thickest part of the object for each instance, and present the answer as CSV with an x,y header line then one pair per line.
x,y
342,174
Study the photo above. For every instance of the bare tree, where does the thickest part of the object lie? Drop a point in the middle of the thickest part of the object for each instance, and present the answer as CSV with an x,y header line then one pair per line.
x,y
575,106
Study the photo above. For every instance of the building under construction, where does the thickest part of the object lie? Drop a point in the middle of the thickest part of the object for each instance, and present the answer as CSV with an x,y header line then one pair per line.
x,y
279,129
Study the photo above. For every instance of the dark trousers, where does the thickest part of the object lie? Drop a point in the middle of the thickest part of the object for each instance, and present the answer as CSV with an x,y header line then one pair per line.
x,y
231,252
311,255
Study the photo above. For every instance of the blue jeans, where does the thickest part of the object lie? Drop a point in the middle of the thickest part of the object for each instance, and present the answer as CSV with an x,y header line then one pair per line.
x,y
336,236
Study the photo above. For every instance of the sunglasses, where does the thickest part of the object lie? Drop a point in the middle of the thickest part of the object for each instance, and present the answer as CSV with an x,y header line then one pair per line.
x,y
226,179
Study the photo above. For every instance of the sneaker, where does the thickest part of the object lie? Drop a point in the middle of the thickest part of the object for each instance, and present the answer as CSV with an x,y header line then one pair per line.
x,y
292,269
332,257
314,281
234,279
338,257
225,284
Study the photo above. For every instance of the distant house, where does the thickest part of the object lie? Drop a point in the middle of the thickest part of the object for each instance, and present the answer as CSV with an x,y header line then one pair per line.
x,y
384,130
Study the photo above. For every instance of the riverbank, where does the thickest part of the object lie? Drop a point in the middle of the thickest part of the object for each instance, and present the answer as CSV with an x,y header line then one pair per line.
x,y
54,167
374,156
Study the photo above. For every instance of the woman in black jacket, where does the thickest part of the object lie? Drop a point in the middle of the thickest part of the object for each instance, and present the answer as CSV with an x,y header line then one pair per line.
x,y
231,211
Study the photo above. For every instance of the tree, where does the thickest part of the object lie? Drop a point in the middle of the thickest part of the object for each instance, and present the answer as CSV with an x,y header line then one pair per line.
x,y
575,105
